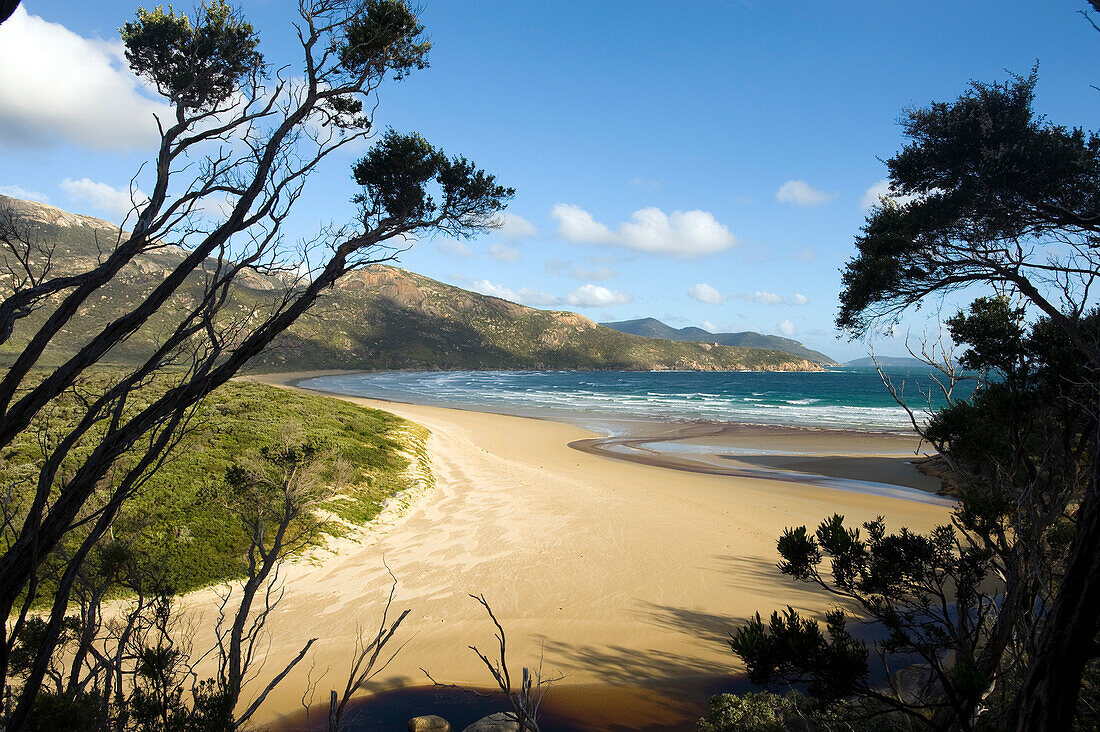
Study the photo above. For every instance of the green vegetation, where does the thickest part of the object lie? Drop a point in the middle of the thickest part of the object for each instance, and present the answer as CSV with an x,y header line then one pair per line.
x,y
180,528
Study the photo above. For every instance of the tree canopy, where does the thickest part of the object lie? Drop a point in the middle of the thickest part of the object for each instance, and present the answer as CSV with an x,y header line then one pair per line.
x,y
1001,606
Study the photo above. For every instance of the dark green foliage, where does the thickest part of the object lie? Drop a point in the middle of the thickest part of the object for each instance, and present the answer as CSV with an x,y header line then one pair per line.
x,y
396,174
790,649
55,712
385,35
753,712
1000,606
197,65
986,175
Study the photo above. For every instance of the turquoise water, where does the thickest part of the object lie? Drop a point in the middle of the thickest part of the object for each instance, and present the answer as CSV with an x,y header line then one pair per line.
x,y
843,398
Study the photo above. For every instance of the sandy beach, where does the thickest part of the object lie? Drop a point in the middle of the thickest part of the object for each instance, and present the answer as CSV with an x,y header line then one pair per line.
x,y
611,572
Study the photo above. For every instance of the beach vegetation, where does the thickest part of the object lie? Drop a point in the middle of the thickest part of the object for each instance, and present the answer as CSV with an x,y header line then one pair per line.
x,y
991,621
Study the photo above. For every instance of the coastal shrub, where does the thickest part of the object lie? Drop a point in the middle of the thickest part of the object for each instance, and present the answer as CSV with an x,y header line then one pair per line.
x,y
178,531
753,712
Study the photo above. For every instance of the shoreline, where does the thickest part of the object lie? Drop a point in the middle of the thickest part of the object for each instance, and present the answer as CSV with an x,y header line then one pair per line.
x,y
880,463
624,577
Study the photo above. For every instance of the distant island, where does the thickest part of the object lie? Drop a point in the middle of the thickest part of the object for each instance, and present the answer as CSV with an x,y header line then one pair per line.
x,y
383,317
653,328
892,361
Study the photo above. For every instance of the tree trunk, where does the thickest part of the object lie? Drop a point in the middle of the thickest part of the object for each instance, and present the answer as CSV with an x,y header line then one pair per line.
x,y
1048,698
7,7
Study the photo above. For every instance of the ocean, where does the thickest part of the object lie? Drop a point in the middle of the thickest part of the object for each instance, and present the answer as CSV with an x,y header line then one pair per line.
x,y
840,398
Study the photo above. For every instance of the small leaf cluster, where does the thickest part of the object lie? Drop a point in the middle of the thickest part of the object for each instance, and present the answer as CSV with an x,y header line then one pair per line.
x,y
199,64
407,182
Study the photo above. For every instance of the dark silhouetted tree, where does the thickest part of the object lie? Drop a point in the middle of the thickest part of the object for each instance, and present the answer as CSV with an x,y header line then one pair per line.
x,y
234,157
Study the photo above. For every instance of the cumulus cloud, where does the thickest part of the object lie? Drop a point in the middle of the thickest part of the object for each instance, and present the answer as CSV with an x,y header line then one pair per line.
x,y
707,325
577,225
20,192
878,191
801,193
516,227
502,253
679,234
595,296
799,299
524,295
56,85
104,198
786,327
705,293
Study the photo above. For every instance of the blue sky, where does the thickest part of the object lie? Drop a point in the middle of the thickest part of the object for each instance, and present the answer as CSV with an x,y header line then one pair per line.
x,y
705,163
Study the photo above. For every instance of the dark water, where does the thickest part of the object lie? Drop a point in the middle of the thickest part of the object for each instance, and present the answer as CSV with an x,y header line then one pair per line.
x,y
844,398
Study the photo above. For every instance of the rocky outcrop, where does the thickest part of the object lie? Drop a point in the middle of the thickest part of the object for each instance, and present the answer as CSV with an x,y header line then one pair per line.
x,y
429,723
499,722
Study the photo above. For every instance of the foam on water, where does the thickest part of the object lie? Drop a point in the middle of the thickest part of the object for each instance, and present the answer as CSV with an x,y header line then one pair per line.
x,y
837,399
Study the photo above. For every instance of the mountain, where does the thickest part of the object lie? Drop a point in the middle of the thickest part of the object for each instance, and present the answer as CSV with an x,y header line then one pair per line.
x,y
379,317
892,361
653,328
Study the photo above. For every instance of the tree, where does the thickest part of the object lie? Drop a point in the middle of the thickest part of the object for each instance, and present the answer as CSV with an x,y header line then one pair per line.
x,y
232,161
1009,201
7,8
999,605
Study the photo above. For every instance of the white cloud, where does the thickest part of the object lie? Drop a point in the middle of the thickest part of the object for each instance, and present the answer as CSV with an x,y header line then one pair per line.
x,y
786,327
594,296
453,247
19,192
516,227
806,254
705,293
801,193
707,325
524,295
875,193
577,225
104,198
502,253
772,298
485,287
763,297
58,86
679,234
537,298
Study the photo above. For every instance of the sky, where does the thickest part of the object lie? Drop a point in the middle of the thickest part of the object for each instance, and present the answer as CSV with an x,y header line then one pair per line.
x,y
704,163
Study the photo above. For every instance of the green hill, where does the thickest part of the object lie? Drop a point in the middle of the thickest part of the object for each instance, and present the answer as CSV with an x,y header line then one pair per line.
x,y
380,317
653,328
